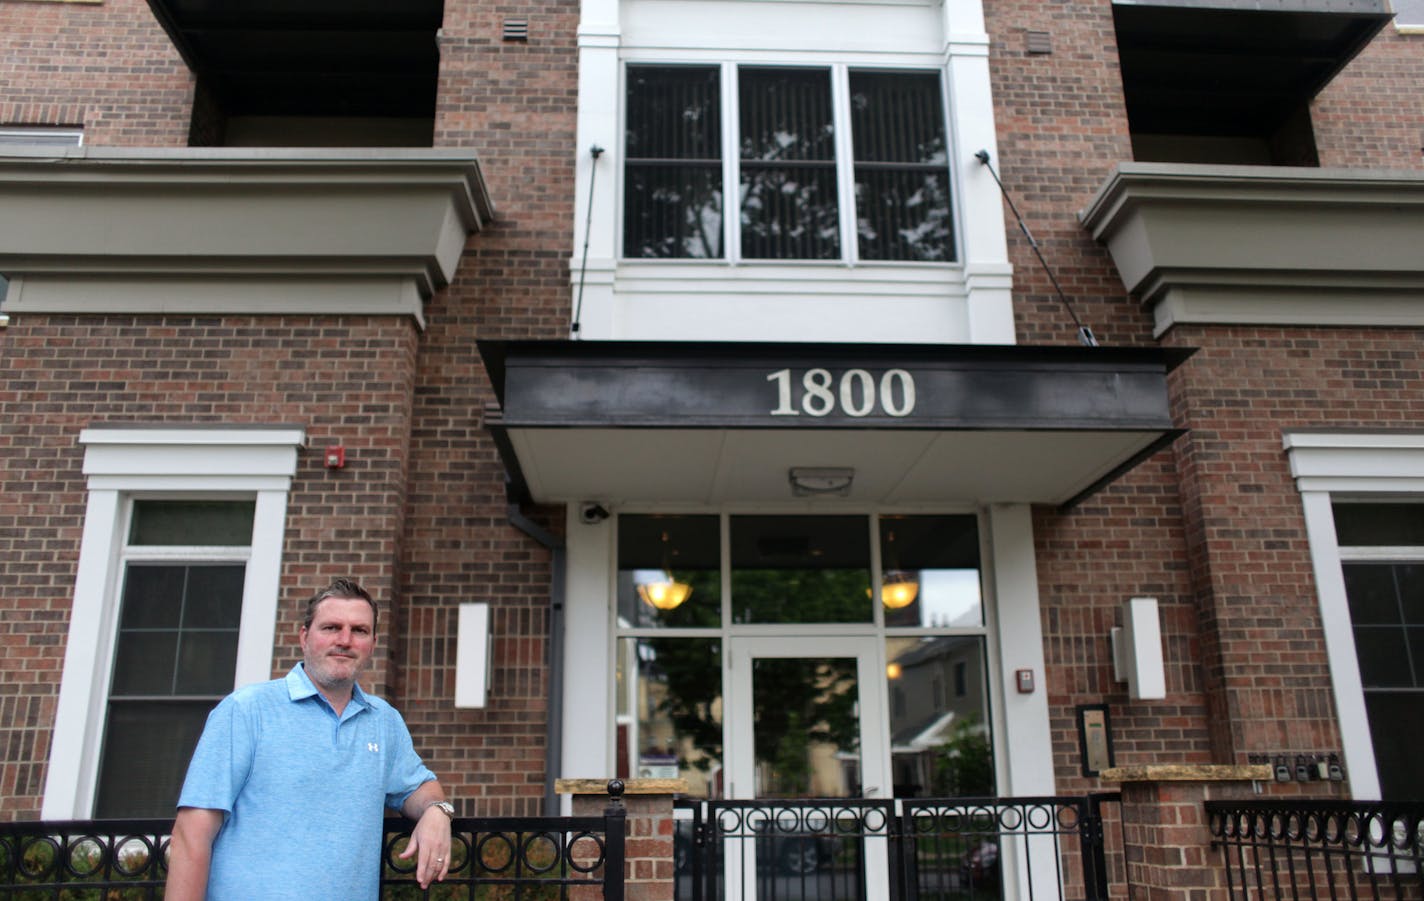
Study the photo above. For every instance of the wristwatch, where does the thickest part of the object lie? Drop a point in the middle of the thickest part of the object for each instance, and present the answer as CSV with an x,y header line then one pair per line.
x,y
445,807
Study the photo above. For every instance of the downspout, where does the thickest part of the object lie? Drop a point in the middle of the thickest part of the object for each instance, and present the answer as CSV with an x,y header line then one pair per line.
x,y
553,751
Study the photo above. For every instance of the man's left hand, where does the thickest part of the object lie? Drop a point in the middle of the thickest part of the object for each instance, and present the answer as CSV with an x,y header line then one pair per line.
x,y
430,844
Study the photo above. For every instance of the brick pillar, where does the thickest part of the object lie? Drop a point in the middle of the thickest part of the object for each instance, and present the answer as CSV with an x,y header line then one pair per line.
x,y
649,869
1167,844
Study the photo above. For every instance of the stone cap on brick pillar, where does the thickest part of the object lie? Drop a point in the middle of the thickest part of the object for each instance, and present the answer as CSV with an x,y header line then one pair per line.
x,y
630,786
1187,773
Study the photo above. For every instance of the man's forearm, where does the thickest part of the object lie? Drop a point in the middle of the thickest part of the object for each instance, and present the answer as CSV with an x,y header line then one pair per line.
x,y
420,799
190,852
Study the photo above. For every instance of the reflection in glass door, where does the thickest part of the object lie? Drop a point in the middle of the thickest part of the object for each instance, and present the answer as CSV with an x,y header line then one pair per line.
x,y
802,729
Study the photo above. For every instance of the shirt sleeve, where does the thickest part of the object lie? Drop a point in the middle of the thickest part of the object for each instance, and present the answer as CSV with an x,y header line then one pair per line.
x,y
222,760
404,770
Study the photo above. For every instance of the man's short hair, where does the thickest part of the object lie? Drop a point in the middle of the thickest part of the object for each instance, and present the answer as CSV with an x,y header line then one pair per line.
x,y
341,588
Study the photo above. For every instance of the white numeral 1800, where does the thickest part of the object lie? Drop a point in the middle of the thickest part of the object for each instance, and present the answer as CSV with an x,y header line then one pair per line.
x,y
857,394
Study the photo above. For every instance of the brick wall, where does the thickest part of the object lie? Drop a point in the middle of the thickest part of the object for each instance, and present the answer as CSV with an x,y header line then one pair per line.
x,y
106,67
513,104
345,381
1211,527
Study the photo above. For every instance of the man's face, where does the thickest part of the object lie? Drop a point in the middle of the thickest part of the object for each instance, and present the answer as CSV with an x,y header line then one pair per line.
x,y
339,642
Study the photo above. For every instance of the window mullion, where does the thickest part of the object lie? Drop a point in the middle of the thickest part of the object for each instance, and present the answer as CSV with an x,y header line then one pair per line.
x,y
731,170
845,164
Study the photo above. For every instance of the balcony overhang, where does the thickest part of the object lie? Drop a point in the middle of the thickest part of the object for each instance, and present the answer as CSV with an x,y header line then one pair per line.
x,y
310,57
199,230
1234,67
1265,245
711,423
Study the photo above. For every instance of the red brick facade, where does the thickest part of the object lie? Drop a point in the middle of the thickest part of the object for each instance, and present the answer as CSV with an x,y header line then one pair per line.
x,y
1211,527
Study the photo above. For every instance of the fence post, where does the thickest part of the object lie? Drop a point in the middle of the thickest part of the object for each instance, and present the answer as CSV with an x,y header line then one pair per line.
x,y
615,834
644,810
1166,839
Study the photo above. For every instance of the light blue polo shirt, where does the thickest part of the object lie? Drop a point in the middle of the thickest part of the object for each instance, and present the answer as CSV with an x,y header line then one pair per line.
x,y
301,789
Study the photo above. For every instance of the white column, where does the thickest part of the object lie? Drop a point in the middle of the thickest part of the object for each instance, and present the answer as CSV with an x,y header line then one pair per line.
x,y
988,274
588,649
598,118
1022,742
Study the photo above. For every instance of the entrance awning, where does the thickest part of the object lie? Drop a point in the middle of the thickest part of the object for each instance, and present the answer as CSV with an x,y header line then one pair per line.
x,y
710,423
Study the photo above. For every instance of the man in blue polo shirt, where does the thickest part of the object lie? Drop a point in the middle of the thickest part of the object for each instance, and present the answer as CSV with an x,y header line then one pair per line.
x,y
284,795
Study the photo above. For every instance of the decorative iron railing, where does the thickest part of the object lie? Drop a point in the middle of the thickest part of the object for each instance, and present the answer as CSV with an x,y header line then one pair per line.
x,y
962,849
505,858
1315,849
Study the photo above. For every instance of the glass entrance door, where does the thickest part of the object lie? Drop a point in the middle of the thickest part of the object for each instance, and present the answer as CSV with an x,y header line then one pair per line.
x,y
804,729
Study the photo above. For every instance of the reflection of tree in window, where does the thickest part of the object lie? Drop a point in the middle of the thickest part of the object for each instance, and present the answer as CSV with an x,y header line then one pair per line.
x,y
673,173
901,179
799,703
788,164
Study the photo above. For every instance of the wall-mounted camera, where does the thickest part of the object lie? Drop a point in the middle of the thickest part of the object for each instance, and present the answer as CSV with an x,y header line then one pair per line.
x,y
591,513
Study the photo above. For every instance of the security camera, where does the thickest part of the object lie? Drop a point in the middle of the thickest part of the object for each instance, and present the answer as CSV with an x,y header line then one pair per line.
x,y
593,513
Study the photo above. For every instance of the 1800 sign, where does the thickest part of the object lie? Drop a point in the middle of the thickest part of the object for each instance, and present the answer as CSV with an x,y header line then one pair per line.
x,y
817,392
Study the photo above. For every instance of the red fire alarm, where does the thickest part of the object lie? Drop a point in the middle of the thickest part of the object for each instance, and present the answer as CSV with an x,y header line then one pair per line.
x,y
335,457
1025,680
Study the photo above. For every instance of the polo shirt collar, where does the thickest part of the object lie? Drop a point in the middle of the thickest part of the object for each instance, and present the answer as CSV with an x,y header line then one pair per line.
x,y
300,687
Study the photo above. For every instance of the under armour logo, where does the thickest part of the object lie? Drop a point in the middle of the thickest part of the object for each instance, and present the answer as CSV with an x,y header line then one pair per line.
x,y
372,746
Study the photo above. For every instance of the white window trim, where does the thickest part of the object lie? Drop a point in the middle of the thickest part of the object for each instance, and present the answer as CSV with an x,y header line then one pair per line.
x,y
1329,466
121,463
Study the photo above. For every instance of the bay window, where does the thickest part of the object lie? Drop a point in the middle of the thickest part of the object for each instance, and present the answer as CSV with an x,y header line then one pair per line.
x,y
830,163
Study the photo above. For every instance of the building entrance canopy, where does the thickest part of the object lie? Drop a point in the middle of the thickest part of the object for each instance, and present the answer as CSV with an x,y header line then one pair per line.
x,y
709,423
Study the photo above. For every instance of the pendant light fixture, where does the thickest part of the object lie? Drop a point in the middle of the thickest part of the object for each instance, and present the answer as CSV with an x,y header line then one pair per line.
x,y
666,593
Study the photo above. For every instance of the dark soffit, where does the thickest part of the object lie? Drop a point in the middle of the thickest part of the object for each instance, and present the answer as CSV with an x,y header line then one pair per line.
x,y
310,57
1232,68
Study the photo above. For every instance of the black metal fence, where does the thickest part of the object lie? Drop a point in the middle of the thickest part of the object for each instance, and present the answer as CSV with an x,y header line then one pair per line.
x,y
921,850
492,859
1320,849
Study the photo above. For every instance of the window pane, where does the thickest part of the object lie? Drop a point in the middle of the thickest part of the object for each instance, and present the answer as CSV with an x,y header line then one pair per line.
x,y
807,729
1397,724
214,597
1384,657
670,695
1379,525
788,177
901,175
941,746
800,569
934,562
789,213
207,662
903,215
672,211
143,664
146,750
673,183
1370,590
658,551
153,597
206,523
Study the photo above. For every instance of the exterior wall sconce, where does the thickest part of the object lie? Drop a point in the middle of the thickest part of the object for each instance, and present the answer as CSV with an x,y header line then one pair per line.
x,y
820,481
472,656
1137,651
